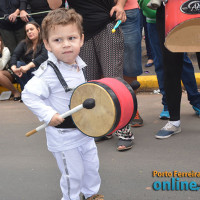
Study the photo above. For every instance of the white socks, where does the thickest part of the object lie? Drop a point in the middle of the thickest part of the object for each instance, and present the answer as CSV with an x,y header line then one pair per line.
x,y
175,123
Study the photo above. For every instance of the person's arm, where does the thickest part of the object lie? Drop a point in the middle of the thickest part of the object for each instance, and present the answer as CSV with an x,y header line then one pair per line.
x,y
42,56
23,14
5,58
12,17
33,95
27,67
53,4
119,9
37,61
17,54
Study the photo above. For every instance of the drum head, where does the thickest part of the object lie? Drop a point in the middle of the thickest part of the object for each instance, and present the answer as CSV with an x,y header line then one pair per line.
x,y
184,37
100,120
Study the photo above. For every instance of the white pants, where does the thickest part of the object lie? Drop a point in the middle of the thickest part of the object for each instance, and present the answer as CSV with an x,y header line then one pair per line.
x,y
79,168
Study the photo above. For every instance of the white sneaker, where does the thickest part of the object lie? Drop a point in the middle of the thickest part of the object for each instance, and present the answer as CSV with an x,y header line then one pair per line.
x,y
167,131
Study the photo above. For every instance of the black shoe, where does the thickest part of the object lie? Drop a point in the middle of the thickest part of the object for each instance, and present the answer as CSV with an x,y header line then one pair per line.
x,y
17,98
102,138
128,144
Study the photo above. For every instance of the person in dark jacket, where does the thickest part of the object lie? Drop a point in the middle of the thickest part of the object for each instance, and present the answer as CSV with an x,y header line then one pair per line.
x,y
29,54
11,27
36,6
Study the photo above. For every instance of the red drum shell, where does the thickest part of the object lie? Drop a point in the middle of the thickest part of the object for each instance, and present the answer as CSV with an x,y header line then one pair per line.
x,y
125,97
115,106
182,25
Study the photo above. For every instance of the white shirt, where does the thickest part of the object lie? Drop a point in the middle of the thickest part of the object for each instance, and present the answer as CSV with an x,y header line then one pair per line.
x,y
5,58
45,96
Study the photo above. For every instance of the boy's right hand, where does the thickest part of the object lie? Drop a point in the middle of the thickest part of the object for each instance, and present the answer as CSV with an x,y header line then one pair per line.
x,y
56,120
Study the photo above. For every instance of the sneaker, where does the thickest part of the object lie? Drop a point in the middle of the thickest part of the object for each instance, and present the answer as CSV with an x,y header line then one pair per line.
x,y
137,121
164,114
167,131
102,138
123,145
126,138
197,110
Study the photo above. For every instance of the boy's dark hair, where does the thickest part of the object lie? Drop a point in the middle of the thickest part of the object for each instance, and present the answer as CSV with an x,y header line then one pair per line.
x,y
61,16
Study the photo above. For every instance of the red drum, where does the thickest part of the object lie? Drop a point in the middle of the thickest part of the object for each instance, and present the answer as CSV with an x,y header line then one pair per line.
x,y
115,106
182,25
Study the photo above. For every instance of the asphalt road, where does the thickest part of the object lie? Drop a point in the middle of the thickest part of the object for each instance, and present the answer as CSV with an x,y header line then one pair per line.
x,y
29,172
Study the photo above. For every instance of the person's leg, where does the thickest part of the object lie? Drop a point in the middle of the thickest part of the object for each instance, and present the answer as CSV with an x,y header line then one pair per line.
x,y
132,52
109,50
189,82
172,63
6,80
91,179
132,46
198,58
158,63
96,53
88,54
71,175
147,44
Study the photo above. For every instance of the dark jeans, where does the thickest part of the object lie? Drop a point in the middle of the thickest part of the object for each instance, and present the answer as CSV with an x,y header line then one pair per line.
x,y
188,77
143,23
198,58
172,63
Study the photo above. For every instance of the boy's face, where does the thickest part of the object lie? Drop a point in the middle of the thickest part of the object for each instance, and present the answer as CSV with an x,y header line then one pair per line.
x,y
64,42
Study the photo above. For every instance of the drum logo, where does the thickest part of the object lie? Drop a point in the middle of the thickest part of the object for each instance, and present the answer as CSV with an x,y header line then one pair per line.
x,y
191,7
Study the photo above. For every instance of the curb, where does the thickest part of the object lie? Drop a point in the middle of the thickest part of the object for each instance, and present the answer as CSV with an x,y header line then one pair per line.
x,y
147,83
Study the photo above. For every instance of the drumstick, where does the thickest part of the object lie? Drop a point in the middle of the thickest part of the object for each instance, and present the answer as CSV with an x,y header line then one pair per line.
x,y
88,104
116,26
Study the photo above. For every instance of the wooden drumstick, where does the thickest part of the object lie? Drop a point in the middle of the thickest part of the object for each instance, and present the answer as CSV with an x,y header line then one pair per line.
x,y
88,104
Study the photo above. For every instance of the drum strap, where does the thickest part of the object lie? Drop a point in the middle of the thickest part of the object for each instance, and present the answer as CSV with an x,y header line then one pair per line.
x,y
68,122
59,75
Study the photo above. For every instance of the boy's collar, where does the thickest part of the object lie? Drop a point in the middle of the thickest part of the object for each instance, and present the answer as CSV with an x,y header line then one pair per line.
x,y
81,64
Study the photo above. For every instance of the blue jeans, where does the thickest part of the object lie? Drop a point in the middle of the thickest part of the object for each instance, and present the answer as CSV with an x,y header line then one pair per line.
x,y
26,76
189,82
143,24
132,44
187,75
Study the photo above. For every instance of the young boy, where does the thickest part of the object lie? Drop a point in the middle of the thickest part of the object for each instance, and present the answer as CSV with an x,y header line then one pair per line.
x,y
75,153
